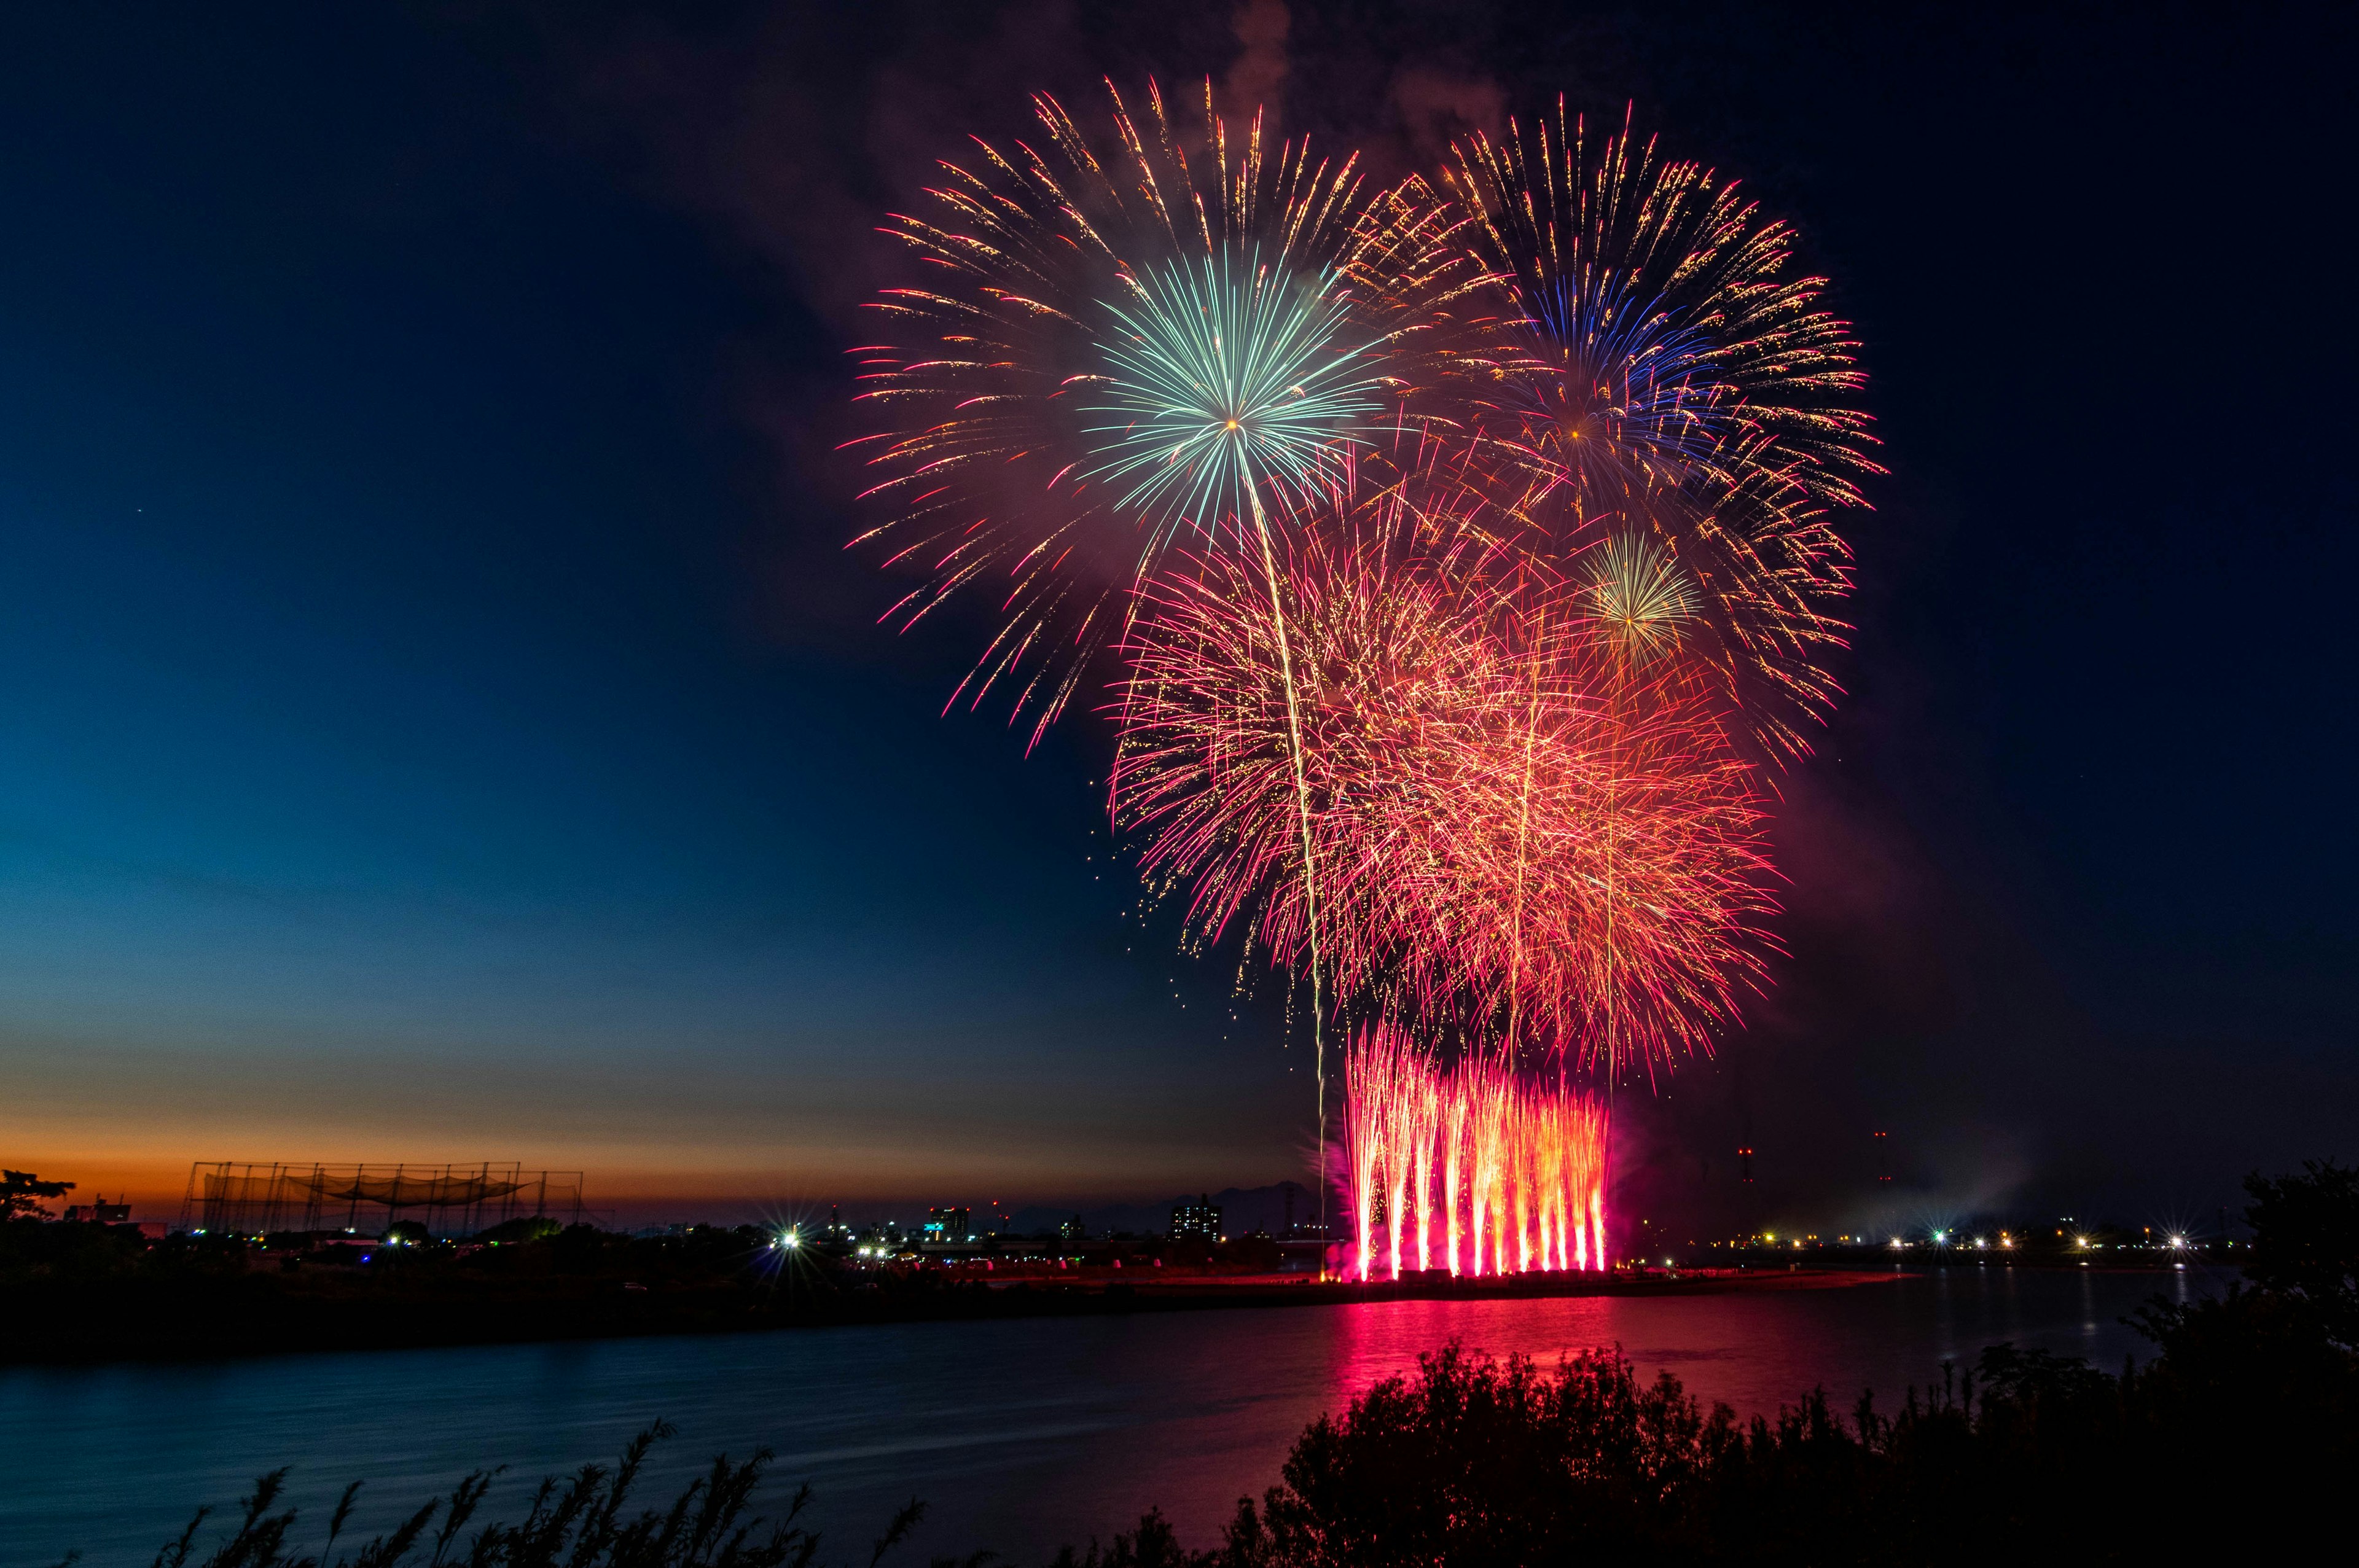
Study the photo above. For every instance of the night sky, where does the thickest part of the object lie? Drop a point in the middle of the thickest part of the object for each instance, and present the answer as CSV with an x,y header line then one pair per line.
x,y
438,719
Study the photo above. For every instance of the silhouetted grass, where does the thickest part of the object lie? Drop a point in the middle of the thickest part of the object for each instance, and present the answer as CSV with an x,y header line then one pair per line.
x,y
582,1521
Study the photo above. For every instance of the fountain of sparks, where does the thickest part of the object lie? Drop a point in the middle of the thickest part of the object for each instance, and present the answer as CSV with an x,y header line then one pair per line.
x,y
1472,1169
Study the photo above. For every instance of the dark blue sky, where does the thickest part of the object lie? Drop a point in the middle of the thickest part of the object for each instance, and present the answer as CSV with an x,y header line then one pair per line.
x,y
437,718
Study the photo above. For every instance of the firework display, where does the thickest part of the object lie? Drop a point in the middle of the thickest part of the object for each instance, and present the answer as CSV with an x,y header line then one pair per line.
x,y
1524,829
1677,384
1153,335
1472,1169
1461,556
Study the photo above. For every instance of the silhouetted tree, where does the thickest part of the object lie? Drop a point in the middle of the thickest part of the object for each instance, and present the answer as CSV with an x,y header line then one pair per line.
x,y
21,1193
2306,1241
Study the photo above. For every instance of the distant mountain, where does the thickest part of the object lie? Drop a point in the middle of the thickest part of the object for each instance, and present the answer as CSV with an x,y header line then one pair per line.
x,y
1242,1211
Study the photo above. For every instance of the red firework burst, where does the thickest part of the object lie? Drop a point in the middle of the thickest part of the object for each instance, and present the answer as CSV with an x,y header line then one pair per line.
x,y
1516,818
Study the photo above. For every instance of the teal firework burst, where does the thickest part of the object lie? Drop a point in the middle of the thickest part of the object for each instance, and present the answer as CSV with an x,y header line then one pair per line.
x,y
1226,376
1054,391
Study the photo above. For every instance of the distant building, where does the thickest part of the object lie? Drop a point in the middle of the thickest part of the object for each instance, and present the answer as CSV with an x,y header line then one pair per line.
x,y
948,1224
1197,1221
1072,1230
98,1211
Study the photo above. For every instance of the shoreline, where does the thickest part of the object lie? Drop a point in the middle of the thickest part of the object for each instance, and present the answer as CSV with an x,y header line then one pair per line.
x,y
87,1327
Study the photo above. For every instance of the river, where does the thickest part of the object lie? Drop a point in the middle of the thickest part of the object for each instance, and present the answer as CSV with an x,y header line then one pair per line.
x,y
1020,1435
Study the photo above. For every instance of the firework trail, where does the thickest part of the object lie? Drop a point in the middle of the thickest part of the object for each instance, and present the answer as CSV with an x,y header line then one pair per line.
x,y
1520,1169
1676,384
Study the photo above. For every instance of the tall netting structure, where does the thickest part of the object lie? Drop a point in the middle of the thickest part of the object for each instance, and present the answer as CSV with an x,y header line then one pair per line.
x,y
237,1199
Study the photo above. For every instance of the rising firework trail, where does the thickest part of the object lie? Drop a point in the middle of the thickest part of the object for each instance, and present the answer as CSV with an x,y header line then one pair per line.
x,y
1227,381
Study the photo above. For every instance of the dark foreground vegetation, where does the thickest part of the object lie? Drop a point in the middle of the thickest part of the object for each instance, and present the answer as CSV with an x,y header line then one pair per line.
x,y
2243,1432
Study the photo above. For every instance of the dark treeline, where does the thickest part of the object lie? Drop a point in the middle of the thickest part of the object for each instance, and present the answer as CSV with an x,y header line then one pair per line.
x,y
2243,1429
84,1291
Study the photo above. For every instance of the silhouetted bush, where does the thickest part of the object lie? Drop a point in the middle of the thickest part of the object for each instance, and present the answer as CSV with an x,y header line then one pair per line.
x,y
67,1249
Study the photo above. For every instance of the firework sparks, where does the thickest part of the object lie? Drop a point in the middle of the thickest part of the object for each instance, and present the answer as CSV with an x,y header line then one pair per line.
x,y
1677,384
1128,341
1511,825
1470,1169
1638,598
1123,351
1227,377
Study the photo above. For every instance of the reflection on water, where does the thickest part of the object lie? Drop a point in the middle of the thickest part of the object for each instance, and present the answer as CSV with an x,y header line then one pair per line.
x,y
1020,1435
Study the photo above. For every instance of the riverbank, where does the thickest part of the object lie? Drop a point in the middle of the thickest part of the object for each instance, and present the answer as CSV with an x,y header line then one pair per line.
x,y
201,1318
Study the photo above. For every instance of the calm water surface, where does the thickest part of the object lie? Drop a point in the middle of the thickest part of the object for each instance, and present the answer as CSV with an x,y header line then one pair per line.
x,y
1020,1435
